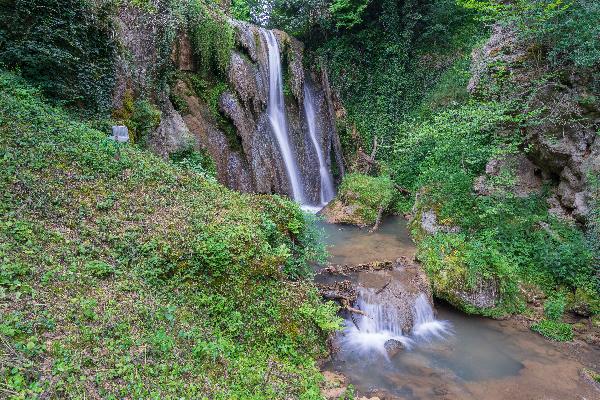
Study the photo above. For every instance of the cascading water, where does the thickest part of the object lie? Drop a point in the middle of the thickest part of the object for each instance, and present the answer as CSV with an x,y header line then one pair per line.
x,y
276,113
425,325
370,333
327,191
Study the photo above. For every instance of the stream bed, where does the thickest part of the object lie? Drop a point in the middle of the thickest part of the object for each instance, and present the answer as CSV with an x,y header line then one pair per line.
x,y
472,358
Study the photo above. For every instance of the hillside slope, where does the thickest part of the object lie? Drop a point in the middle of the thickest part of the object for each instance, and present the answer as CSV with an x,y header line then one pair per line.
x,y
125,276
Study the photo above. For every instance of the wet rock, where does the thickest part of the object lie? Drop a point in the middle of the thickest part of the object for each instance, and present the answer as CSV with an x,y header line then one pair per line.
x,y
396,290
172,133
337,212
344,270
395,285
183,55
484,294
239,138
393,347
232,166
334,385
450,283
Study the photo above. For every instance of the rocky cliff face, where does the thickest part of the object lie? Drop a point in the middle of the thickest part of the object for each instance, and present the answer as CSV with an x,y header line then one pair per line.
x,y
235,131
564,144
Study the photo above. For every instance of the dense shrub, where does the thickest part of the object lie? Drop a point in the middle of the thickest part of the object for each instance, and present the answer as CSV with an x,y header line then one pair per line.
x,y
67,47
554,330
554,307
212,39
568,30
369,194
198,161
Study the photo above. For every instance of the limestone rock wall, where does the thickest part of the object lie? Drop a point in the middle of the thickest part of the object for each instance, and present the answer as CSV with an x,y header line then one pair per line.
x,y
564,143
238,135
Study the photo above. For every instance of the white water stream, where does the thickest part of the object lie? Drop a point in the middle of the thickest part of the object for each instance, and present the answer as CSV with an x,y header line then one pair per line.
x,y
276,113
369,333
327,191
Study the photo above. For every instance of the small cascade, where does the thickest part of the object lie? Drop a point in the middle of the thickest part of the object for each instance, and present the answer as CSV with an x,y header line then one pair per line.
x,y
326,191
382,325
425,326
370,333
277,118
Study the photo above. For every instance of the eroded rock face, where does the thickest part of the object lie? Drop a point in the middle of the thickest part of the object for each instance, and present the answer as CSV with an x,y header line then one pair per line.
x,y
564,143
240,139
527,177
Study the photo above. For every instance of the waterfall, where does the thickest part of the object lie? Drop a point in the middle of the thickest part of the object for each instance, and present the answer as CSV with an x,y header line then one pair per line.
x,y
383,323
326,190
425,325
276,113
370,333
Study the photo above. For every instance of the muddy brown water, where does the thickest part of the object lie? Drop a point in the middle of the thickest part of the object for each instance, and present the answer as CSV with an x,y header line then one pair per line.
x,y
481,359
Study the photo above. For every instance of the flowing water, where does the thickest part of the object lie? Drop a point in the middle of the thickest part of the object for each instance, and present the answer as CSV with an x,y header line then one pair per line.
x,y
351,245
448,355
277,118
327,191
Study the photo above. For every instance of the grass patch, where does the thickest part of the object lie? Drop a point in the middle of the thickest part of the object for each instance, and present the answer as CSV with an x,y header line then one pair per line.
x,y
554,330
122,274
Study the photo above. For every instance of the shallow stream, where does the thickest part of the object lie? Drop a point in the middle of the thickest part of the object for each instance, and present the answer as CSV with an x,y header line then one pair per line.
x,y
479,359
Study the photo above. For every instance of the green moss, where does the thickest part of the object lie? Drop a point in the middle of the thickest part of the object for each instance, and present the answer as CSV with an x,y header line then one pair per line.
x,y
213,38
139,115
368,194
554,330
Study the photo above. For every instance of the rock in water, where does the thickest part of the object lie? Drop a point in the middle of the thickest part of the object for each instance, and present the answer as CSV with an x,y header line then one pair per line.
x,y
393,347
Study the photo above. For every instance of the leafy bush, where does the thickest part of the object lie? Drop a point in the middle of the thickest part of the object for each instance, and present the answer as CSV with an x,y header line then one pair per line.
x,y
198,161
68,49
369,194
504,238
348,13
212,39
554,307
568,30
554,330
99,269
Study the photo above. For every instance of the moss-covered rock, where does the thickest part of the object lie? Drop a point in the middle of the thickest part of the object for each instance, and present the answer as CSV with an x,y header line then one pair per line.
x,y
361,200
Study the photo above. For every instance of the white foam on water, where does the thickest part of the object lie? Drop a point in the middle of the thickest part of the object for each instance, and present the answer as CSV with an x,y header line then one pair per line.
x,y
326,189
368,334
277,117
425,326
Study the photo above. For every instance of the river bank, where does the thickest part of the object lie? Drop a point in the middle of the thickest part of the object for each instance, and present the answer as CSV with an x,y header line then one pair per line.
x,y
476,358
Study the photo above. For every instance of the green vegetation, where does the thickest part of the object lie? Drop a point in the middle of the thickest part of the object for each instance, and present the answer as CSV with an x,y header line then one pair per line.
x,y
140,116
198,161
369,194
212,38
554,330
402,70
124,275
68,48
554,307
